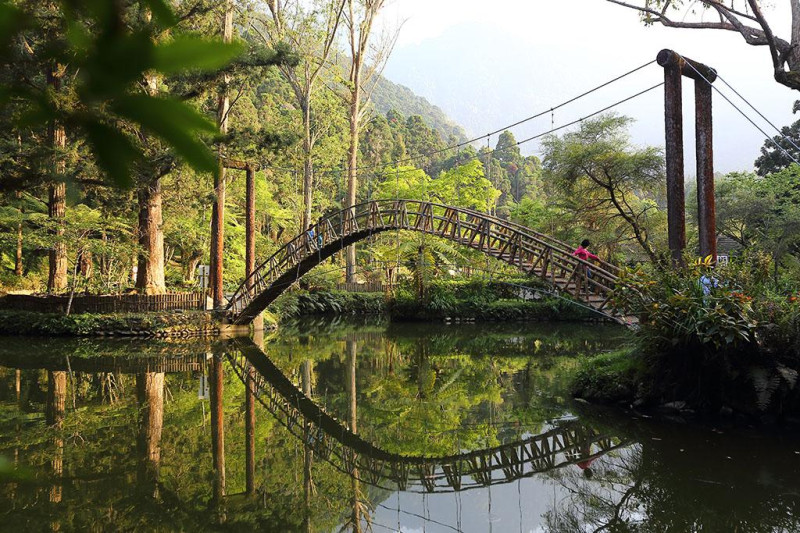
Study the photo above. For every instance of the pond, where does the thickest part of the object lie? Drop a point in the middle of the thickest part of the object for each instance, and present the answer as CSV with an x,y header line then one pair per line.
x,y
363,425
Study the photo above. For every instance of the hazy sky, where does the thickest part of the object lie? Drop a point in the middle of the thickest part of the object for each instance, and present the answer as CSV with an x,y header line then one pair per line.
x,y
490,64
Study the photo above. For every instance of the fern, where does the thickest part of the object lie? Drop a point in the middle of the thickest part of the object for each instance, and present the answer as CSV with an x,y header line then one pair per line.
x,y
765,383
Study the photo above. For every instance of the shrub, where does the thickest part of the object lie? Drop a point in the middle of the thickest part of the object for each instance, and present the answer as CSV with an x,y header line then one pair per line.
x,y
733,340
610,377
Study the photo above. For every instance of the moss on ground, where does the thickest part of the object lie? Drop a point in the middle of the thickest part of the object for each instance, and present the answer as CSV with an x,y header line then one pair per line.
x,y
611,377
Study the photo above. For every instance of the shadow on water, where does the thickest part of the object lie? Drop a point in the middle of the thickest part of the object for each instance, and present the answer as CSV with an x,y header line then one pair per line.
x,y
363,426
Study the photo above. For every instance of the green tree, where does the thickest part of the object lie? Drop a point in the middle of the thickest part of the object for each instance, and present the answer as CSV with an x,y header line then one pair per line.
x,y
466,186
607,182
781,151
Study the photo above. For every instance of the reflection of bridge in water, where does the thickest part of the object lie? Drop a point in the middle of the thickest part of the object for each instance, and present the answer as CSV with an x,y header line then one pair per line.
x,y
567,444
135,364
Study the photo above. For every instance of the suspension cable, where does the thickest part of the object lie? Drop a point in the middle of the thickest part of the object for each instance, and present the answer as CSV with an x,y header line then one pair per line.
x,y
751,121
461,144
759,113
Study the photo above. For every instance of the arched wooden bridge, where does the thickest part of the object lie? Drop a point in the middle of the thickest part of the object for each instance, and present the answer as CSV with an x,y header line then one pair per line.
x,y
532,252
332,441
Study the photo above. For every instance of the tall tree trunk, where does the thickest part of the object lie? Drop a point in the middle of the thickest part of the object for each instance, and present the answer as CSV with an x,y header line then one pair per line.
x,y
308,166
56,208
86,264
352,419
218,209
18,256
250,432
57,202
56,398
359,22
150,268
217,428
306,371
352,165
190,265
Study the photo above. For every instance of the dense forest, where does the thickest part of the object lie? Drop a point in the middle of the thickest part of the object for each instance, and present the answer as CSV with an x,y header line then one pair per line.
x,y
127,131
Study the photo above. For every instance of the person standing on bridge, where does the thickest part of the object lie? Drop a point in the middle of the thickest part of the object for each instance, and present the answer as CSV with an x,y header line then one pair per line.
x,y
311,240
583,253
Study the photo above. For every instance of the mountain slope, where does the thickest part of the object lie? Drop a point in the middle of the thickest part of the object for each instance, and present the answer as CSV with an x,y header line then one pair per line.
x,y
389,95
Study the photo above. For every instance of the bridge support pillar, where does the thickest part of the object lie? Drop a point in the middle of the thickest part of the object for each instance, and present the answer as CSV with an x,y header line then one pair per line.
x,y
676,66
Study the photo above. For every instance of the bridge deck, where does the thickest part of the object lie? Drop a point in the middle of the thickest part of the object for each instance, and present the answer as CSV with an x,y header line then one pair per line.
x,y
531,252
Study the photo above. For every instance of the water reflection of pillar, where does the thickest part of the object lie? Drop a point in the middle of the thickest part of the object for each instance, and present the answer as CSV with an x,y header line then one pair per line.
x,y
250,420
150,397
352,419
54,416
250,432
306,371
217,428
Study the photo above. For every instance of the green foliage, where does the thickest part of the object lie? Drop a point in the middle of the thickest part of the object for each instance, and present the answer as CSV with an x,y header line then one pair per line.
x,y
390,96
715,337
109,56
482,300
609,377
762,214
607,182
781,151
297,303
85,324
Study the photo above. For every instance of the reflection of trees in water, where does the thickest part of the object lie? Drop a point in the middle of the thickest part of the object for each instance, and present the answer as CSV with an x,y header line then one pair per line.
x,y
599,497
439,389
646,488
652,486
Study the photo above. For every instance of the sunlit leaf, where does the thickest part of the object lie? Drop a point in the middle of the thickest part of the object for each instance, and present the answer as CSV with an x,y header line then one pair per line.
x,y
194,53
162,12
176,123
114,151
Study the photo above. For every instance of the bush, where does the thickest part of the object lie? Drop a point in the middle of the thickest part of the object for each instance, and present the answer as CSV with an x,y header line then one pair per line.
x,y
611,377
298,303
482,300
733,341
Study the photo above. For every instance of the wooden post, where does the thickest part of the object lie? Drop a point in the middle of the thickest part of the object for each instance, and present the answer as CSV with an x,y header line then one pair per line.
x,y
676,66
673,125
706,207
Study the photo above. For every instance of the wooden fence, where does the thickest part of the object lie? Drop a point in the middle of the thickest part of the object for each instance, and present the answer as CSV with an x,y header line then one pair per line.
x,y
120,303
362,287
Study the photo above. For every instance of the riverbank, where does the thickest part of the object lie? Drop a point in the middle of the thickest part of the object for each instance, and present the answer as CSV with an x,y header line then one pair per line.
x,y
758,392
155,325
464,302
476,300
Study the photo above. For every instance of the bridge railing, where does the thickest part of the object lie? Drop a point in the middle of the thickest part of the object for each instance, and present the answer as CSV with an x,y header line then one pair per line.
x,y
513,243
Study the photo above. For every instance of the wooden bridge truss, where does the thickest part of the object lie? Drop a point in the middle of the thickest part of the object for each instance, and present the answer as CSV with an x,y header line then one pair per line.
x,y
531,252
331,440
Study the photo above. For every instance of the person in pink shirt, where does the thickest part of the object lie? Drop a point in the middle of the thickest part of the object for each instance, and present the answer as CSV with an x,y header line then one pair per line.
x,y
582,252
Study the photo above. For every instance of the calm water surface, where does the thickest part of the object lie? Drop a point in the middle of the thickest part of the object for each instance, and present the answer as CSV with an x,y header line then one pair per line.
x,y
330,426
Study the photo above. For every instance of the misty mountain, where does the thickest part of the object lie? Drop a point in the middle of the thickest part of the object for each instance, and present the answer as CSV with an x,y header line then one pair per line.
x,y
389,95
